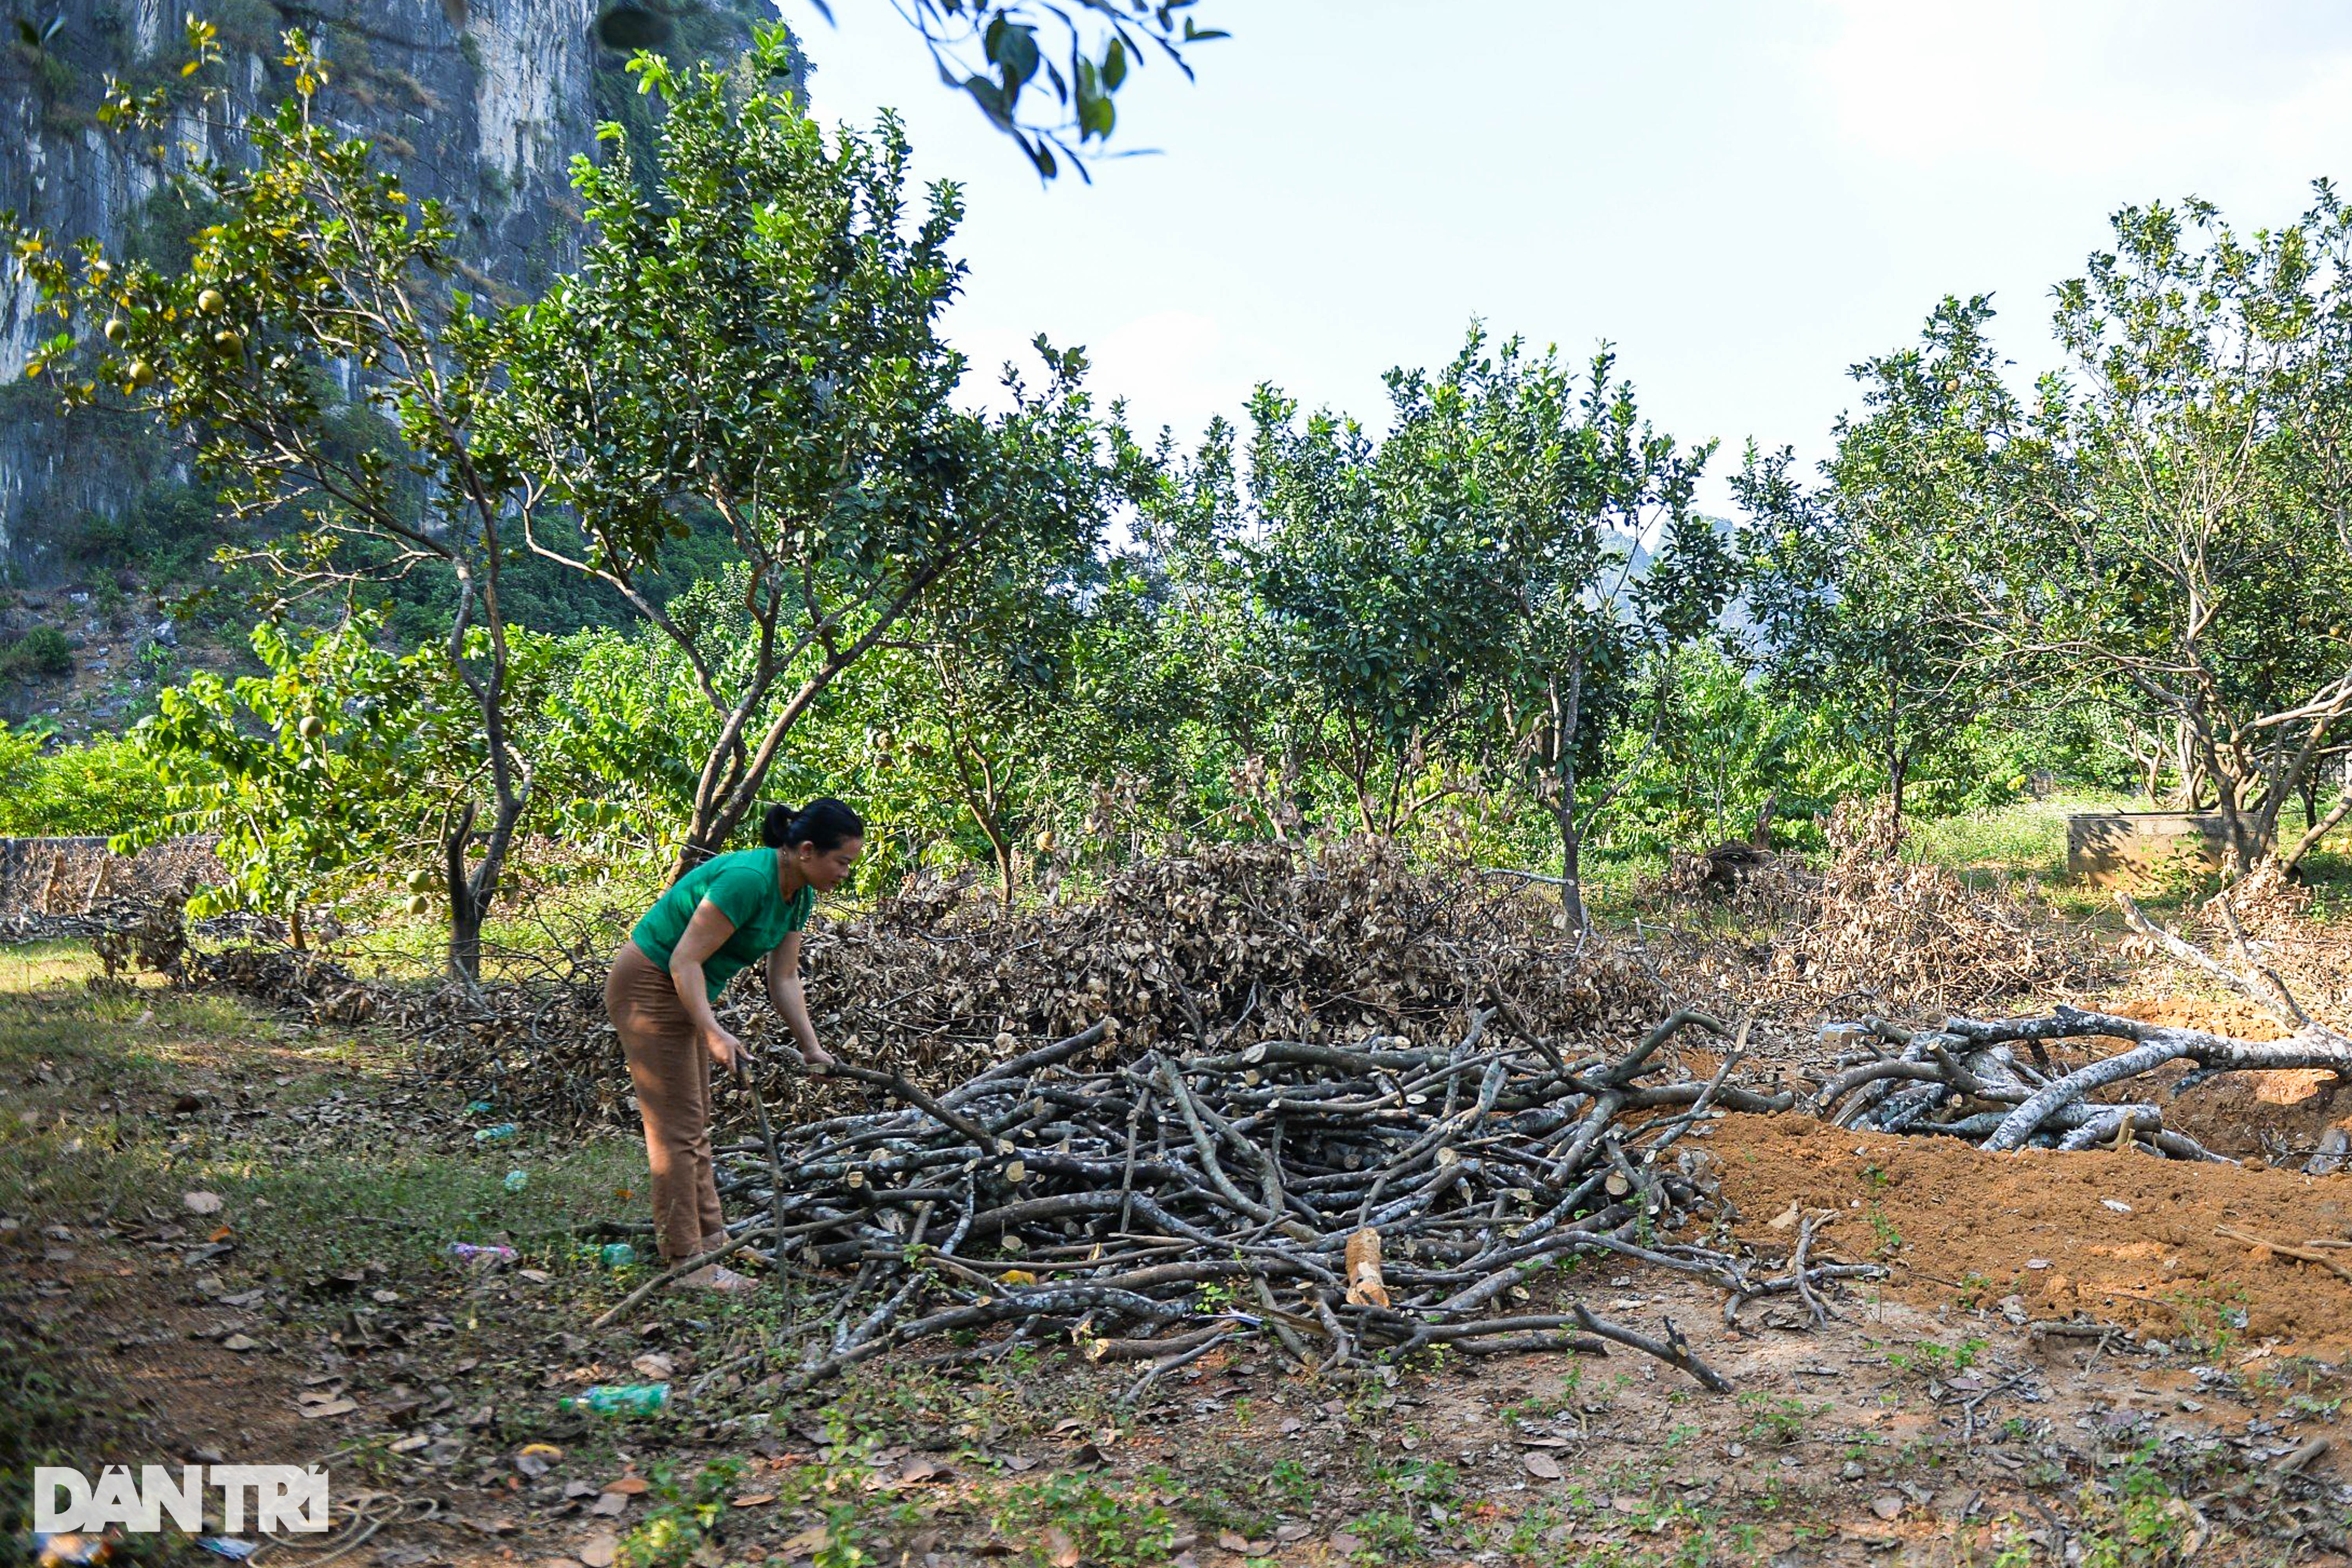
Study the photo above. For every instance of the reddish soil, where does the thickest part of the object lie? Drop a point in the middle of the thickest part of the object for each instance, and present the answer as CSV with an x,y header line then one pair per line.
x,y
2045,1227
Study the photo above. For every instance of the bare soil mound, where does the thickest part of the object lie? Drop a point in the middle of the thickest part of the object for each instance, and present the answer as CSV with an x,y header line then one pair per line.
x,y
2118,1237
2274,1117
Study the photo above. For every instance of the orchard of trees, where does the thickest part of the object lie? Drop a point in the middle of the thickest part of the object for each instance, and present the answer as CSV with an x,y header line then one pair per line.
x,y
1489,620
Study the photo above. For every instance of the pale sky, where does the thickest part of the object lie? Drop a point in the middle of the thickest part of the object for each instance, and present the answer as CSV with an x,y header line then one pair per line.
x,y
1744,197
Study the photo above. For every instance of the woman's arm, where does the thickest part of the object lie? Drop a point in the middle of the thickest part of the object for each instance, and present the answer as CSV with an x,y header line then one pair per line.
x,y
702,937
784,990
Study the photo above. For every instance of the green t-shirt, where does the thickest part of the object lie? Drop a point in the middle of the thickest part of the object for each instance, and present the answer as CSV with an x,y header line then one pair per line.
x,y
744,887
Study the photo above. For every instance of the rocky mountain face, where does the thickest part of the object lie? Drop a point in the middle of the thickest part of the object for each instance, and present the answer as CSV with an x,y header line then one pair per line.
x,y
481,103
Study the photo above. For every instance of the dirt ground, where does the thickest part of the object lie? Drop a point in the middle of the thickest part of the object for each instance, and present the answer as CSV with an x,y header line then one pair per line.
x,y
2115,1237
2065,1363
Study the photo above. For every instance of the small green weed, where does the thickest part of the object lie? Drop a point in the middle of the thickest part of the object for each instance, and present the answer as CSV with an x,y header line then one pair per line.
x,y
1775,1419
681,1517
1116,1528
1931,1358
2210,1317
2138,1522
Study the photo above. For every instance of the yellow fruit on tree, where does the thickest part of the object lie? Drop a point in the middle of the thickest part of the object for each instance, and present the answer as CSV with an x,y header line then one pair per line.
x,y
117,328
211,301
311,727
140,374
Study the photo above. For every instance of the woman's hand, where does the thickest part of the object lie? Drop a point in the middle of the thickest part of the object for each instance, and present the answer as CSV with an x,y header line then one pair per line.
x,y
724,1049
816,1058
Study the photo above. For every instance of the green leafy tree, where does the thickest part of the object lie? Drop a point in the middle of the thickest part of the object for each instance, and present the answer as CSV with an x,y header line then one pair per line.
x,y
100,788
1227,736
325,765
2175,523
1605,571
760,342
1378,567
317,257
1854,585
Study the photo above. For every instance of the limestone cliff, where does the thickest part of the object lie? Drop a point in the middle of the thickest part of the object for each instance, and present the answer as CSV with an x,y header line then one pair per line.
x,y
482,103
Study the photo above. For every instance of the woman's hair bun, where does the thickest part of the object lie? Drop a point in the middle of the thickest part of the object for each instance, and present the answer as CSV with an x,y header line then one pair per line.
x,y
824,822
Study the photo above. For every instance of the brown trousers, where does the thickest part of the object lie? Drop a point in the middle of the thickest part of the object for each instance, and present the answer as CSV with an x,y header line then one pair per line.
x,y
672,1075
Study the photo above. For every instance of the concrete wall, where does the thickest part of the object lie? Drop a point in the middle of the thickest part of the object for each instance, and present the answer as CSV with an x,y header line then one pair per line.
x,y
2105,846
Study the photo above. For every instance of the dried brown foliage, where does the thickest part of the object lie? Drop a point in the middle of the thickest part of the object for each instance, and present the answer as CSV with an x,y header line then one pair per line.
x,y
1235,945
1901,936
1871,932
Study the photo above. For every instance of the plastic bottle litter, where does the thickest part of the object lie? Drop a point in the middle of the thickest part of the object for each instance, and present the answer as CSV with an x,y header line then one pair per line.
x,y
467,1251
500,1133
516,1181
477,1107
612,1255
620,1399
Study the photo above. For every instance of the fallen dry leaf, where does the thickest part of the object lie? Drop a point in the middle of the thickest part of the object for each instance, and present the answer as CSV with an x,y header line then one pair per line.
x,y
202,1203
1060,1550
240,1342
601,1550
333,1407
757,1500
627,1486
1542,1466
609,1504
1888,1507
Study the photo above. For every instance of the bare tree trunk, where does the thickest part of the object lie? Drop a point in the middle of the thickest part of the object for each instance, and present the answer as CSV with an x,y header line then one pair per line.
x,y
466,908
1566,707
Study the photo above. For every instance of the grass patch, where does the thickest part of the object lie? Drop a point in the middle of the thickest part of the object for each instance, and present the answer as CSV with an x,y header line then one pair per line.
x,y
2025,836
89,1128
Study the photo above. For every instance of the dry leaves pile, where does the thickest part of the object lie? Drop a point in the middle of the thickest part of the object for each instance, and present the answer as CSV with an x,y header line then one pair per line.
x,y
1241,943
50,886
1912,937
1874,932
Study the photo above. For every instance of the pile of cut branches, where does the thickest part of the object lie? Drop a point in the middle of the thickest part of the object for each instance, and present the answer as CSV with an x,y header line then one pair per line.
x,y
938,983
1344,1200
1964,1079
